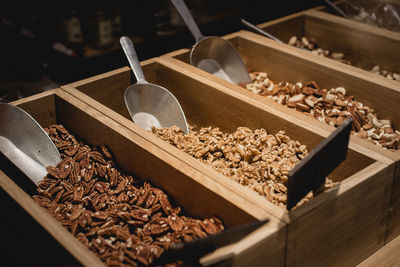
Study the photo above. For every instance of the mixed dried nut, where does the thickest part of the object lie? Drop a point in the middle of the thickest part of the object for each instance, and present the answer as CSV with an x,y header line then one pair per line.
x,y
253,158
331,106
312,45
123,220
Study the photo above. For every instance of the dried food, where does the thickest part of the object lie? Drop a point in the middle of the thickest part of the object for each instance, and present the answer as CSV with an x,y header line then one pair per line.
x,y
123,220
253,158
331,106
312,45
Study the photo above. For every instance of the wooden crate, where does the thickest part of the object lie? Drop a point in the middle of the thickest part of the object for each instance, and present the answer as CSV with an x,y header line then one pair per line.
x,y
286,63
198,195
364,45
341,226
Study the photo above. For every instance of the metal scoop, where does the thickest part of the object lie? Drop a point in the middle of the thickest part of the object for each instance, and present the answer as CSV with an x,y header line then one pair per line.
x,y
149,104
24,142
257,29
213,54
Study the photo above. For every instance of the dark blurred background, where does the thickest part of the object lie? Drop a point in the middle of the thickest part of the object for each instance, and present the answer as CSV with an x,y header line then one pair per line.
x,y
45,46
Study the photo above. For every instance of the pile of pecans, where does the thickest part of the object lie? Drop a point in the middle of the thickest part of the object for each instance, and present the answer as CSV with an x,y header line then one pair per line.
x,y
124,221
312,45
331,106
252,158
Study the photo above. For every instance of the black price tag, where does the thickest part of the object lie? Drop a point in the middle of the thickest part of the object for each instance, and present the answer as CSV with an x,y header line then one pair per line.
x,y
311,172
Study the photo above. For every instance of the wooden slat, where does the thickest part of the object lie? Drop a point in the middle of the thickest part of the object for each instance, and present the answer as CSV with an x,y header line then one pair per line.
x,y
47,114
388,256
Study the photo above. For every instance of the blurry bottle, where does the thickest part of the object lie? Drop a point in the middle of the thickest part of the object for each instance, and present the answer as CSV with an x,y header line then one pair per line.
x,y
100,30
71,29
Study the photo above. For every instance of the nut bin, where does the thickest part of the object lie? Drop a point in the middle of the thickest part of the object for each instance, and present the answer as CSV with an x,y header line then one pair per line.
x,y
342,225
367,47
198,195
285,63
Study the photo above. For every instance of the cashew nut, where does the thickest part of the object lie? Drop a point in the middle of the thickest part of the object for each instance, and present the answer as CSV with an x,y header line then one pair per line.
x,y
376,123
330,96
341,90
292,40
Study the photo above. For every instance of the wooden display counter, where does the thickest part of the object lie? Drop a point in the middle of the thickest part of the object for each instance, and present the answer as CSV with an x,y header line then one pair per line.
x,y
355,222
343,225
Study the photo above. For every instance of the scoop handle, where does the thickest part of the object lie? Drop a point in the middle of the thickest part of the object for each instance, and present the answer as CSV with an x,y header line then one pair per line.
x,y
130,52
341,12
188,19
257,29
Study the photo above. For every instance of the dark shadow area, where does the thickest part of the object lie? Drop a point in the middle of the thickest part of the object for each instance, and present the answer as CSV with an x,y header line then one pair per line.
x,y
44,46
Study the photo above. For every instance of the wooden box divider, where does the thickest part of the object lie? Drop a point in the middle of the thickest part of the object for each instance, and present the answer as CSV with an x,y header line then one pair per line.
x,y
343,225
198,195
